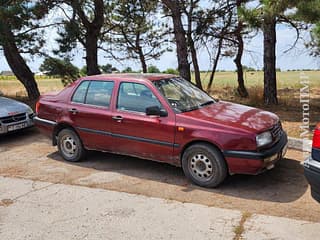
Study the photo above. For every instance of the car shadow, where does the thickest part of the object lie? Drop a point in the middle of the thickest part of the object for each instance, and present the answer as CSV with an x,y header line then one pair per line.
x,y
285,183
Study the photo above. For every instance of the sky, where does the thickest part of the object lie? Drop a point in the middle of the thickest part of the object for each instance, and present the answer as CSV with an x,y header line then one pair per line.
x,y
298,58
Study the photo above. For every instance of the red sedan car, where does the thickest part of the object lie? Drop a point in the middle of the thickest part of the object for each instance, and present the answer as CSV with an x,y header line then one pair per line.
x,y
162,118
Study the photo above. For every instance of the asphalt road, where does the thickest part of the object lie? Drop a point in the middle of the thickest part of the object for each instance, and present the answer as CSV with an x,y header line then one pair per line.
x,y
282,191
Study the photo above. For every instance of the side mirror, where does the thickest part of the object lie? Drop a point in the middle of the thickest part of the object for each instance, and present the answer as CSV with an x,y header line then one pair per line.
x,y
156,111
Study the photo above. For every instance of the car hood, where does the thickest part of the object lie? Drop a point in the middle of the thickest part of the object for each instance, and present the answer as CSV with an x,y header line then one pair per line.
x,y
235,115
11,107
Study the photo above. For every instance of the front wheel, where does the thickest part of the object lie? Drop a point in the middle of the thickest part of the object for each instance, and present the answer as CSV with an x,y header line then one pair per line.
x,y
204,165
70,146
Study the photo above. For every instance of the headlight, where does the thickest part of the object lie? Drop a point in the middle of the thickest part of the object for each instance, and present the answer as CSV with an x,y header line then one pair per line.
x,y
263,139
29,111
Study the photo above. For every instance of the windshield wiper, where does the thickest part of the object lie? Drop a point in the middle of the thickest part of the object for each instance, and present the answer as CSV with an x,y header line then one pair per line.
x,y
207,103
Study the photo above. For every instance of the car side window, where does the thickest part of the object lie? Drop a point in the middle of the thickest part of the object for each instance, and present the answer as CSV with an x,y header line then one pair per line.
x,y
136,97
80,94
99,93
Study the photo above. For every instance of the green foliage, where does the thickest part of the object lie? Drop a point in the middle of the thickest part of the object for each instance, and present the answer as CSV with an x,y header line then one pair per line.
x,y
127,70
171,71
310,13
21,17
248,69
60,68
108,68
153,69
83,71
137,33
85,18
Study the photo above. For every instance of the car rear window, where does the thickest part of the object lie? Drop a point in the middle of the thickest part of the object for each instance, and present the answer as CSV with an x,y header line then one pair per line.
x,y
99,93
80,94
96,93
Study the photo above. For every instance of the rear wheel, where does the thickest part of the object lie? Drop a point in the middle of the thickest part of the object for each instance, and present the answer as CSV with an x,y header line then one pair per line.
x,y
204,165
70,146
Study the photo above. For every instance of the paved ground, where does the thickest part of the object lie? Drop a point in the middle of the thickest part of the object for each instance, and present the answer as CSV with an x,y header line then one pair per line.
x,y
41,210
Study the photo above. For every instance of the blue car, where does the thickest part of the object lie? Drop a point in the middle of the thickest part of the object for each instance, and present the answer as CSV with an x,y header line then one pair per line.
x,y
312,165
14,115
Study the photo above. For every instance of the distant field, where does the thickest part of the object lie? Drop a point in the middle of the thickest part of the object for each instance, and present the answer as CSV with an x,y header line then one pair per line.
x,y
254,79
12,87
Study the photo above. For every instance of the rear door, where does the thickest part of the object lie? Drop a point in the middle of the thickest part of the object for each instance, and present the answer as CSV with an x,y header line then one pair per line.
x,y
136,133
90,112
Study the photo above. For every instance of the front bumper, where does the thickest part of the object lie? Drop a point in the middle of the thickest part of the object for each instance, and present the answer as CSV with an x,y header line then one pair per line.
x,y
312,174
15,126
255,162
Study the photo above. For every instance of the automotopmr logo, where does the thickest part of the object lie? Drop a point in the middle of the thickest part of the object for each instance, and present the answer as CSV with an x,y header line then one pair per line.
x,y
305,106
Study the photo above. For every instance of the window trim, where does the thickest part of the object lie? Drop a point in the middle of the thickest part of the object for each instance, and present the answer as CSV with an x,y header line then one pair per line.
x,y
86,94
131,111
74,92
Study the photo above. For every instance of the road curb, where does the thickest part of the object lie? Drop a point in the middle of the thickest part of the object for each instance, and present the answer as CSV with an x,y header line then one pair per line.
x,y
299,144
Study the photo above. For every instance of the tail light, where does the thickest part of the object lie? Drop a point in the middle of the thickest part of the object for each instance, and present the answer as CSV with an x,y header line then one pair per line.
x,y
315,153
37,107
316,137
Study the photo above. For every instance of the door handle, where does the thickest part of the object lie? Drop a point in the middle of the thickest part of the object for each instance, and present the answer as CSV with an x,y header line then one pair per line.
x,y
74,111
117,118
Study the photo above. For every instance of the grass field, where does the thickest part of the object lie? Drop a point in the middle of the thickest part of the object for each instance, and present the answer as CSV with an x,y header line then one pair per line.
x,y
254,79
12,87
224,85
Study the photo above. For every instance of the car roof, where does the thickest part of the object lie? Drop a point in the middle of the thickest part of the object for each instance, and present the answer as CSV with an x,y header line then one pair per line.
x,y
130,76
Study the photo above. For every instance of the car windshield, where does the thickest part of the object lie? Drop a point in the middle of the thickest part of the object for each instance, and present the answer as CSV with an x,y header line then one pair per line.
x,y
182,95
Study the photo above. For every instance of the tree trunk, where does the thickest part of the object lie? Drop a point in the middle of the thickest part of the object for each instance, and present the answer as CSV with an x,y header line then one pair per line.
x,y
215,64
143,62
140,53
241,87
93,30
195,63
180,37
92,54
270,79
18,65
192,47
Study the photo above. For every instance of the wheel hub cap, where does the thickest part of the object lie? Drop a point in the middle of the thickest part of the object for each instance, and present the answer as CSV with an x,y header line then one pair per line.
x,y
201,167
69,146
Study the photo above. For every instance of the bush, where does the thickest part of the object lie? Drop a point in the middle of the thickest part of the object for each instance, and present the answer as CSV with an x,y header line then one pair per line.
x,y
171,71
153,69
61,68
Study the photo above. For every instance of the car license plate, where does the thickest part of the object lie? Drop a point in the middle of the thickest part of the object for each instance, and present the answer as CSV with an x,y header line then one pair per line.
x,y
16,127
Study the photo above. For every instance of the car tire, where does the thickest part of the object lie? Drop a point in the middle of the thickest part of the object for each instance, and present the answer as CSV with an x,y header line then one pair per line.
x,y
70,146
204,165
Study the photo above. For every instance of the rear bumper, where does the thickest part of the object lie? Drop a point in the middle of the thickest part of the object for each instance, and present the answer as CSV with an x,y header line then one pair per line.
x,y
312,174
253,162
45,126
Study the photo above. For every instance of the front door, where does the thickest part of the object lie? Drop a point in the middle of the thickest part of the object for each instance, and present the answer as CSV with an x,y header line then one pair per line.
x,y
136,133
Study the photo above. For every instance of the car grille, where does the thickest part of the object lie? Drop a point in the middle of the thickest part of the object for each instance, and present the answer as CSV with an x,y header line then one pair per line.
x,y
14,118
276,131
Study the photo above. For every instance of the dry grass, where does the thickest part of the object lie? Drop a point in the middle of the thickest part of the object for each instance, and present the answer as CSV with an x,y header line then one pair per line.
x,y
239,230
12,87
